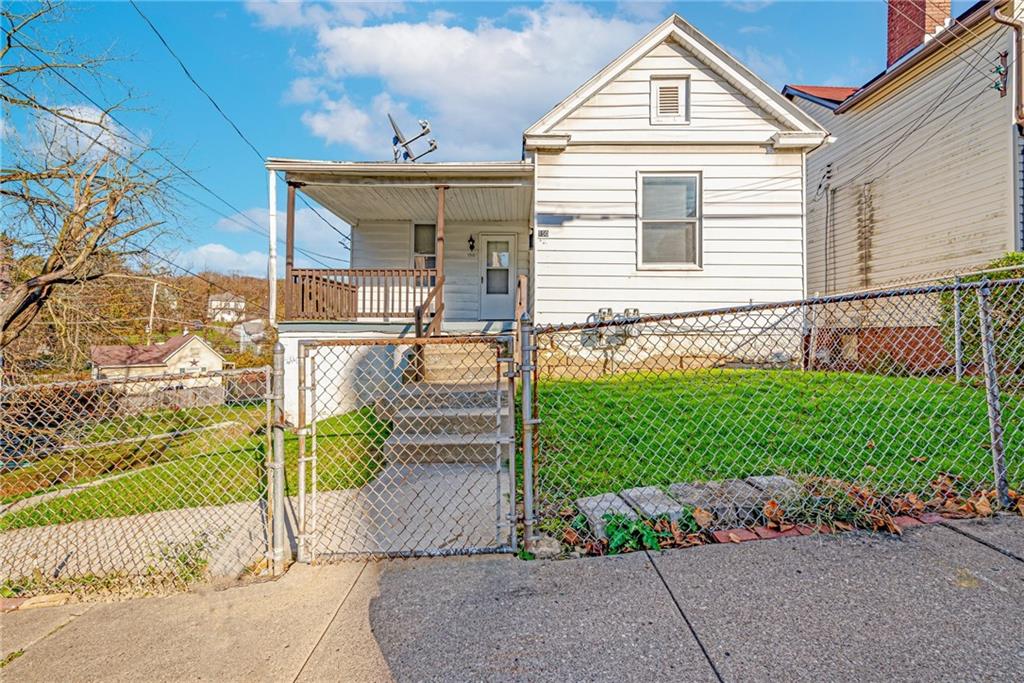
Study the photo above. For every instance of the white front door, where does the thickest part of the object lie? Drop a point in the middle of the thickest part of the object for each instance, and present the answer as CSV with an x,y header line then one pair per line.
x,y
497,276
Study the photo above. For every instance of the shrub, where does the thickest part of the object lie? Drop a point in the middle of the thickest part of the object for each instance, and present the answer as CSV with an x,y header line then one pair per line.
x,y
1007,313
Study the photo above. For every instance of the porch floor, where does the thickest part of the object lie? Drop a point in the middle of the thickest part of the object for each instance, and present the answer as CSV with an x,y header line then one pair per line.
x,y
396,328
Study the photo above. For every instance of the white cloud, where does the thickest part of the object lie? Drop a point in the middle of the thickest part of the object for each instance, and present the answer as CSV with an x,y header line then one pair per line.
x,y
440,16
299,13
480,87
223,259
749,6
748,30
84,131
303,90
771,68
340,121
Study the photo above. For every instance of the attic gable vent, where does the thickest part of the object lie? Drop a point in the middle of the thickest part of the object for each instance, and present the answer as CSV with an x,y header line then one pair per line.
x,y
669,100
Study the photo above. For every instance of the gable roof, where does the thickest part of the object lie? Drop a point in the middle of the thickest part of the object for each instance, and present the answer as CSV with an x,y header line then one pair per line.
x,y
828,96
121,355
704,49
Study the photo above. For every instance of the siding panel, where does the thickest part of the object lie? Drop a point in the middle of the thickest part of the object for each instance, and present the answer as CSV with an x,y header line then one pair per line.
x,y
586,197
920,177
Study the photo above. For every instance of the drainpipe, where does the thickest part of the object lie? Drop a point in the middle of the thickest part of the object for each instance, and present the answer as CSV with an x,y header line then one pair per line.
x,y
1018,67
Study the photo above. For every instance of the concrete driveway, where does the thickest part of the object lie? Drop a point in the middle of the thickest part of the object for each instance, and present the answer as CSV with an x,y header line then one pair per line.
x,y
941,602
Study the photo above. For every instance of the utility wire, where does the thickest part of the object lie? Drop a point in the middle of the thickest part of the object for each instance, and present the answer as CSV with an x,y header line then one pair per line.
x,y
220,110
146,172
939,37
95,139
256,226
882,137
917,124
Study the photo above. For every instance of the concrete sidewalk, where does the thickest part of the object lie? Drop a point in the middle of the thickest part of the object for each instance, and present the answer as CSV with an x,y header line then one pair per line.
x,y
940,602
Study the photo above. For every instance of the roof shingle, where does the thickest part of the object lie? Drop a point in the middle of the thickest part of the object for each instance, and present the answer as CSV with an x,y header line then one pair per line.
x,y
129,354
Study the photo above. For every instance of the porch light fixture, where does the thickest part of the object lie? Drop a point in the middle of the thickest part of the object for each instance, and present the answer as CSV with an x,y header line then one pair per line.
x,y
472,244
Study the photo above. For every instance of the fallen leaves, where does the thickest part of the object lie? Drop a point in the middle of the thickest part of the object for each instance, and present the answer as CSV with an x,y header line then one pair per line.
x,y
909,504
703,518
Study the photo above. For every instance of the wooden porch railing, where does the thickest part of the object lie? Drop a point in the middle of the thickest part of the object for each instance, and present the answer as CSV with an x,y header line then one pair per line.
x,y
348,294
433,303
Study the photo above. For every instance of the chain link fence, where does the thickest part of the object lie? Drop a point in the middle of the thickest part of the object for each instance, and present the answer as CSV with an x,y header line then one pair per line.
x,y
844,411
406,448
838,411
133,484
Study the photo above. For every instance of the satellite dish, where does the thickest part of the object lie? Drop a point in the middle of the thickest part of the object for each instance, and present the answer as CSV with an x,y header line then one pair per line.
x,y
402,146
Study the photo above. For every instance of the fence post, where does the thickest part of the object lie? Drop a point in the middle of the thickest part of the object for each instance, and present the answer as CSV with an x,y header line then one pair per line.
x,y
526,368
958,340
300,434
812,342
277,463
992,393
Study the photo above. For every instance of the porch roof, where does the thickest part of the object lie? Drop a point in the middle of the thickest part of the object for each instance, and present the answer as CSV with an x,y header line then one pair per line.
x,y
360,192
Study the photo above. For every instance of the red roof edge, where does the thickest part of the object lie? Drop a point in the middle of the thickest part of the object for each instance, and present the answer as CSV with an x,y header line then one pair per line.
x,y
831,93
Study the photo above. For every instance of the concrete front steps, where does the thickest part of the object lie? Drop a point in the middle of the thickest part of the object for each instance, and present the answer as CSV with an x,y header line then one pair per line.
x,y
459,363
457,411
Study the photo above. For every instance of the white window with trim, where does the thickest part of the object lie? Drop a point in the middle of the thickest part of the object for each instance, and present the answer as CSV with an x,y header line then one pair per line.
x,y
669,221
424,245
670,100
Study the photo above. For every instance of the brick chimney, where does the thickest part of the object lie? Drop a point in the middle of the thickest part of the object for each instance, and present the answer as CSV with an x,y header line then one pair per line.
x,y
910,21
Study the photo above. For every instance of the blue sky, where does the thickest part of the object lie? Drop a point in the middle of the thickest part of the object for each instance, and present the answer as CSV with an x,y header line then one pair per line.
x,y
314,80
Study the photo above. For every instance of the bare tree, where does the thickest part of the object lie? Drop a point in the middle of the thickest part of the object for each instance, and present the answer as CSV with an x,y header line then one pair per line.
x,y
80,198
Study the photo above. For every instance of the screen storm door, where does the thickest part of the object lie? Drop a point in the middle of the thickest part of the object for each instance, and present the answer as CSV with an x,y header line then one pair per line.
x,y
497,276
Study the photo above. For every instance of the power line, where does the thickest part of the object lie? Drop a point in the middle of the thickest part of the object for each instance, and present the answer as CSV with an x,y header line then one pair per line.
x,y
256,226
927,140
938,37
916,125
220,110
145,171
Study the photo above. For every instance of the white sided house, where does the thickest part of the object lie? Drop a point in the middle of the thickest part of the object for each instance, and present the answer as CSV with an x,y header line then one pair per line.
x,y
184,354
672,180
925,177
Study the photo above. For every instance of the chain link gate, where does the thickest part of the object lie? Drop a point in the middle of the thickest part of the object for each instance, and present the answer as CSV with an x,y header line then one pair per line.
x,y
406,448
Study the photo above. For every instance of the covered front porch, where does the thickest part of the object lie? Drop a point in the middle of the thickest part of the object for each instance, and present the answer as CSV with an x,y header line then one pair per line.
x,y
432,245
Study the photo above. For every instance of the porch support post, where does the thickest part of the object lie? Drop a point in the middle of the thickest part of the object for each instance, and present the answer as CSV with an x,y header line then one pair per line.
x,y
289,256
272,260
439,251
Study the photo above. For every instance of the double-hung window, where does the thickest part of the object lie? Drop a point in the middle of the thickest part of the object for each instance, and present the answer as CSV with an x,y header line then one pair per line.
x,y
424,245
669,230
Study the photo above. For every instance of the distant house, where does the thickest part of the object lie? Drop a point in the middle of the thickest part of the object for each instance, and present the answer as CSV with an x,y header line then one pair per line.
x,y
181,355
180,372
924,177
225,308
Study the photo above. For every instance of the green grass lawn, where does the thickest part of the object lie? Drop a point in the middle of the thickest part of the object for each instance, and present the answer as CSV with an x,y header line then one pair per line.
x,y
224,466
641,429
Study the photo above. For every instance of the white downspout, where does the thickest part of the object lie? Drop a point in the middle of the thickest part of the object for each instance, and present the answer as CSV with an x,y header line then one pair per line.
x,y
272,260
